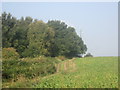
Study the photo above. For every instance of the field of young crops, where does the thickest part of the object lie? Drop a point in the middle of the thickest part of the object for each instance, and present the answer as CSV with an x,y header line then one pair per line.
x,y
96,72
90,72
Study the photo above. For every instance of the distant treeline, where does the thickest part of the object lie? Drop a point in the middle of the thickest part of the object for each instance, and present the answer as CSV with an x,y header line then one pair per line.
x,y
32,37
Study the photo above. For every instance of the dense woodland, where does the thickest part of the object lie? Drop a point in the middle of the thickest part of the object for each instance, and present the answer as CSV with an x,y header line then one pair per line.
x,y
31,37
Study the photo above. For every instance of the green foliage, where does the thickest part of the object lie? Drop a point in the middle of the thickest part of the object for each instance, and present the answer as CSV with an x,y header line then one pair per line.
x,y
8,22
28,68
40,38
9,53
34,38
68,43
14,32
20,41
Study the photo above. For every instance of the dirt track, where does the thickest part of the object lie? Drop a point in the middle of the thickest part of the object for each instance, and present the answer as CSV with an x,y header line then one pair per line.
x,y
67,65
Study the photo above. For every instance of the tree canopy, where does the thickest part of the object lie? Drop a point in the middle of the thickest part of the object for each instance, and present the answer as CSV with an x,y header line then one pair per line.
x,y
32,37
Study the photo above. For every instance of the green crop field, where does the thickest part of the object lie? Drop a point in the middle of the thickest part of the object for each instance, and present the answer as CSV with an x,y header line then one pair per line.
x,y
97,72
89,72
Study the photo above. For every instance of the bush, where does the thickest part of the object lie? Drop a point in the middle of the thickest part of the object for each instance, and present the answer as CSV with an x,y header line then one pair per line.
x,y
28,68
9,53
88,55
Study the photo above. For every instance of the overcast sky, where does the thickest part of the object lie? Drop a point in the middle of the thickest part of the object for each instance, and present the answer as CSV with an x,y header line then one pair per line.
x,y
98,21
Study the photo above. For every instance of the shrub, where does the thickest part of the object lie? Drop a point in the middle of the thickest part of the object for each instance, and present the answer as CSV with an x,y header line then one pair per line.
x,y
28,67
88,55
9,53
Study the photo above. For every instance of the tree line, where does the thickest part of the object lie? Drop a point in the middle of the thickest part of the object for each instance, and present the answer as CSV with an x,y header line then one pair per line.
x,y
31,37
